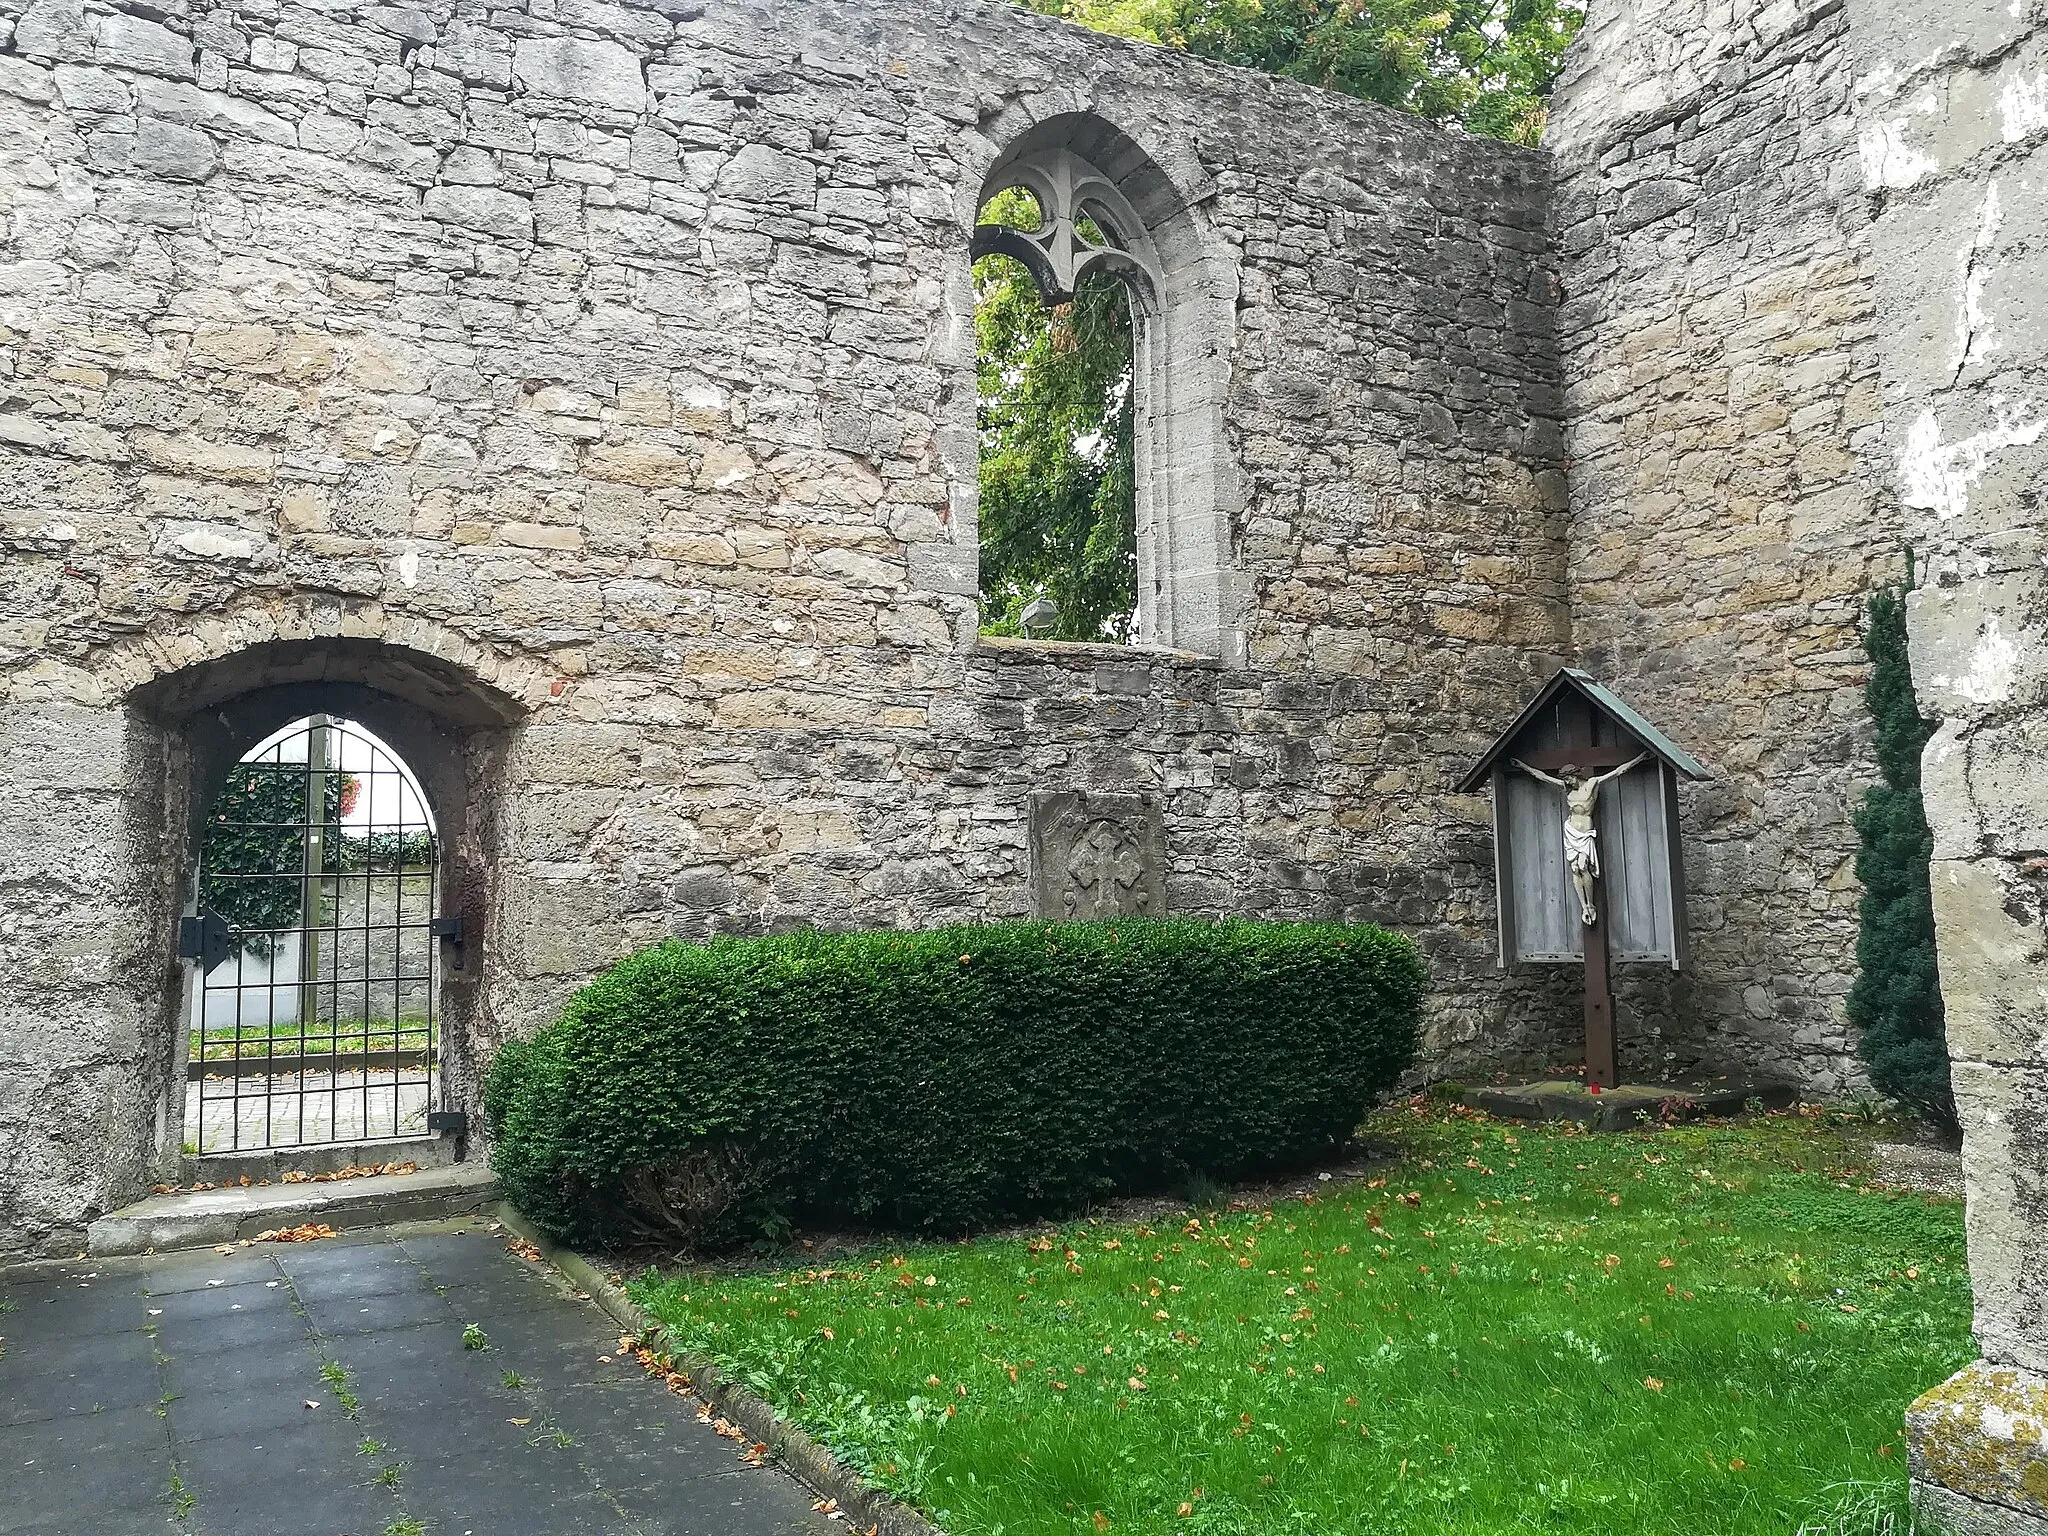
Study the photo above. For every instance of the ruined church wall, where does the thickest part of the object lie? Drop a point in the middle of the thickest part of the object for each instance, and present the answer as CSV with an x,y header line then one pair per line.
x,y
1730,510
617,360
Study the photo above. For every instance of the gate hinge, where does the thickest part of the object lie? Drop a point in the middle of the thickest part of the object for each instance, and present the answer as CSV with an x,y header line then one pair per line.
x,y
443,1122
206,938
446,928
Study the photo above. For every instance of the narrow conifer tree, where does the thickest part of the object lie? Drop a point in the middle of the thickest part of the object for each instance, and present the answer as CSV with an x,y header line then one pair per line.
x,y
1896,1000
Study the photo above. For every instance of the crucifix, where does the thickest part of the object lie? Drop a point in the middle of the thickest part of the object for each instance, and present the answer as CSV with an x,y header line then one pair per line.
x,y
1586,849
1581,836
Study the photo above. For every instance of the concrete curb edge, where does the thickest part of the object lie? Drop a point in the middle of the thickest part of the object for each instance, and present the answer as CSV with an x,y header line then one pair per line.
x,y
868,1509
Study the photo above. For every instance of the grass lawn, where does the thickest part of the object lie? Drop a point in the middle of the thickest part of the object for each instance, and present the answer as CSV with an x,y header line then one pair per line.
x,y
349,1037
1709,1329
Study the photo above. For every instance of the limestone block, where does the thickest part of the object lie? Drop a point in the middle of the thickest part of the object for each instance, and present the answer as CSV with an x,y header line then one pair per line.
x,y
760,174
1983,1435
66,746
178,154
569,926
2004,1110
601,74
475,54
1903,34
1097,855
487,210
195,107
92,90
1994,971
1975,645
54,29
122,41
1943,1512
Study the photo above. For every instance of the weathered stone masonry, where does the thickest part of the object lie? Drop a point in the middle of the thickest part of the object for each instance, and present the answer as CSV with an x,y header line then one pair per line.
x,y
1730,511
583,395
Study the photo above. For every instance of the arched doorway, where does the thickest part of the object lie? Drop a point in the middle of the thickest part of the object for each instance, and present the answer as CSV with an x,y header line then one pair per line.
x,y
314,1008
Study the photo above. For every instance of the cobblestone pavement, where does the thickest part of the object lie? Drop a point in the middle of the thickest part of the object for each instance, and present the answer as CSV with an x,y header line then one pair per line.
x,y
324,1389
306,1109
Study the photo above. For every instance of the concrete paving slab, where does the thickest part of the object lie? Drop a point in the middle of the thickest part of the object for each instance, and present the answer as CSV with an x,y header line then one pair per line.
x,y
214,1386
111,1474
81,1383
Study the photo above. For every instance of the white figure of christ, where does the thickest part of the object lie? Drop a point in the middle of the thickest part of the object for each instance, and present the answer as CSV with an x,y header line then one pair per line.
x,y
1581,837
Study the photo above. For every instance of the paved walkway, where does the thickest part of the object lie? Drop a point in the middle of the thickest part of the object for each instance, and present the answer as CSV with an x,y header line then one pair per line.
x,y
306,1109
172,1395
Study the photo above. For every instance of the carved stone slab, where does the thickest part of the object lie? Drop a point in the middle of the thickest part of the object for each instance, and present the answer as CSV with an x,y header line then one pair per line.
x,y
1097,855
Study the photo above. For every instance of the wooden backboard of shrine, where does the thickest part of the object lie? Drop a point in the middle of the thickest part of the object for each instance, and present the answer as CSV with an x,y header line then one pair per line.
x,y
1642,869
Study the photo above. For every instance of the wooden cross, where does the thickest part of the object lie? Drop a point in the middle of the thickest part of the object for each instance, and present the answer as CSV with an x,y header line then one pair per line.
x,y
1580,753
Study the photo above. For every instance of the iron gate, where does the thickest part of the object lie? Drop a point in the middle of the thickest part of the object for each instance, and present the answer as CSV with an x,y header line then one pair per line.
x,y
313,1016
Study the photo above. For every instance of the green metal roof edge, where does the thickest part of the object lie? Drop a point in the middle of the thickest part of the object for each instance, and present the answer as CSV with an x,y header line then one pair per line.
x,y
1608,700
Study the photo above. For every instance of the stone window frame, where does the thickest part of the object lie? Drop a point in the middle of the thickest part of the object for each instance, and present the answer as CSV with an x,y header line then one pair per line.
x,y
1183,304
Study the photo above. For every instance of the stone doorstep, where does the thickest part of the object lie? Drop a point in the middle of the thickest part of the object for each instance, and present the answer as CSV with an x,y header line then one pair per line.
x,y
1615,1109
330,1157
201,1218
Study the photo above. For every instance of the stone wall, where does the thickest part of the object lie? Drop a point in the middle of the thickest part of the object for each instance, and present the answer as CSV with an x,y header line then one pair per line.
x,y
593,384
1730,509
1952,113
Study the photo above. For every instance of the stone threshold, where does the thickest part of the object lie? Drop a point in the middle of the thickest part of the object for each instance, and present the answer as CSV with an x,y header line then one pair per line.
x,y
271,1164
202,1218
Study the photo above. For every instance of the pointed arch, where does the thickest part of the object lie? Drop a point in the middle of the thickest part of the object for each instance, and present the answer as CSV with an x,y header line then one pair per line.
x,y
1078,165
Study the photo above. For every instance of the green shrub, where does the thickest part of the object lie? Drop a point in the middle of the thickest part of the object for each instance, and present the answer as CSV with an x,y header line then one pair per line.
x,y
1896,999
945,1080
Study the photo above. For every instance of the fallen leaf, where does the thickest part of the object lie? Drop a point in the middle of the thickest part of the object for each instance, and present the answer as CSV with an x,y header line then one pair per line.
x,y
521,1422
307,1232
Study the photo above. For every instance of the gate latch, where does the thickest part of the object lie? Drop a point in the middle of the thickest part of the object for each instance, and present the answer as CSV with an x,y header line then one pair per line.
x,y
206,938
444,1122
449,928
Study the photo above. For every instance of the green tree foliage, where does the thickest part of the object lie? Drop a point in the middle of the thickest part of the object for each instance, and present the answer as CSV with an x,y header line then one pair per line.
x,y
1058,488
944,1080
252,863
1896,1000
1486,64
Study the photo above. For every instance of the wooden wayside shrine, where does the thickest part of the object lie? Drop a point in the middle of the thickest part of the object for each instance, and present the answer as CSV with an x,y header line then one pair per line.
x,y
1555,853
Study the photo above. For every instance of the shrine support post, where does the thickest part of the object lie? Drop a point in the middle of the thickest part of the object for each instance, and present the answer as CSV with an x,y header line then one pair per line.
x,y
1599,996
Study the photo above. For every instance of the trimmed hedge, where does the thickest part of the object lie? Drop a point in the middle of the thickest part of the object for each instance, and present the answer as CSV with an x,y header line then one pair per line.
x,y
945,1080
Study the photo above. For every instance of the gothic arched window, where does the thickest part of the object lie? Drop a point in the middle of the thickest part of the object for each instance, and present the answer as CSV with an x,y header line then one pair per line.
x,y
1103,463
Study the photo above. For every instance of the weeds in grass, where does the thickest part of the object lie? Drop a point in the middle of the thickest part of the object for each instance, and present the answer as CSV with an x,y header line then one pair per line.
x,y
1702,1328
474,1337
